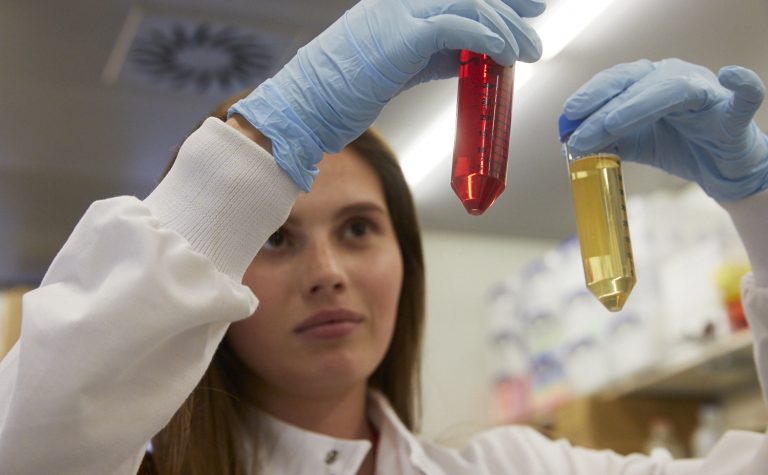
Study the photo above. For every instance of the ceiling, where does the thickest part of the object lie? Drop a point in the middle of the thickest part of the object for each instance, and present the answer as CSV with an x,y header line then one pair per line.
x,y
76,124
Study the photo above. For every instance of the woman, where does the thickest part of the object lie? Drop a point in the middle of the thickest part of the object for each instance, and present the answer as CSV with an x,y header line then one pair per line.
x,y
365,210
136,304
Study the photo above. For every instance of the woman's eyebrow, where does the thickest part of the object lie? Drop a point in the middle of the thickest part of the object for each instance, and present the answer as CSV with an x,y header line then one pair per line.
x,y
352,209
360,208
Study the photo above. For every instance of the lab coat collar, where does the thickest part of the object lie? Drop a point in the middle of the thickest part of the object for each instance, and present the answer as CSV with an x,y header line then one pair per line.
x,y
285,448
395,438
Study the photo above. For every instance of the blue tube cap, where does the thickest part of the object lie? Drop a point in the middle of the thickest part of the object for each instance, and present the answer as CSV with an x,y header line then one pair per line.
x,y
567,126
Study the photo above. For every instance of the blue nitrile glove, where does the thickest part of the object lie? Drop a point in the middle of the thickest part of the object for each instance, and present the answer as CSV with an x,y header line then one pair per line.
x,y
335,86
679,117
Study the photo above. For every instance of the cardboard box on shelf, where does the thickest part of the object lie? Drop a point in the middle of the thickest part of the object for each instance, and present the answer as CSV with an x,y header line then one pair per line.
x,y
10,317
622,425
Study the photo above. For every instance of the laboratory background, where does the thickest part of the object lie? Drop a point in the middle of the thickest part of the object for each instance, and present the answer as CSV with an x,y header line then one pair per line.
x,y
95,96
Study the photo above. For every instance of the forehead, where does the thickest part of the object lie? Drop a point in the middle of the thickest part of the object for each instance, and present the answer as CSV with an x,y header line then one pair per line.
x,y
343,179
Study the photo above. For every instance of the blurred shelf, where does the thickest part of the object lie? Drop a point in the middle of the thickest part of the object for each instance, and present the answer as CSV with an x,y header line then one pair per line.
x,y
707,370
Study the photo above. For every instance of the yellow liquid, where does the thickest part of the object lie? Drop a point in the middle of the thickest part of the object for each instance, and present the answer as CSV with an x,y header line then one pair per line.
x,y
601,221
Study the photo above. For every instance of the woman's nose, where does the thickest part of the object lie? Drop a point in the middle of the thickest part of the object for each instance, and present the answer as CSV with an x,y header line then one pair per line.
x,y
324,271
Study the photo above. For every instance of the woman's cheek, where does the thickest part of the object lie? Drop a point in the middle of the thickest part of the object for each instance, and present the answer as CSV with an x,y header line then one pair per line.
x,y
388,281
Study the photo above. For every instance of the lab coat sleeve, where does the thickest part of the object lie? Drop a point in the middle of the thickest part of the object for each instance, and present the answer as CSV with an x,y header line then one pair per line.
x,y
131,310
750,216
521,450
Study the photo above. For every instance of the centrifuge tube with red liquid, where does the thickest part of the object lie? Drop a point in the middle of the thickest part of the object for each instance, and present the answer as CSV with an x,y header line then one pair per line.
x,y
483,119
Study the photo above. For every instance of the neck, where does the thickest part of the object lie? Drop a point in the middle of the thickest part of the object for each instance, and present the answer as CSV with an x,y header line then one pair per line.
x,y
340,414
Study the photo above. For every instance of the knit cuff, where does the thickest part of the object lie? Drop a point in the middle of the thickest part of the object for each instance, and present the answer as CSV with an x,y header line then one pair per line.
x,y
225,195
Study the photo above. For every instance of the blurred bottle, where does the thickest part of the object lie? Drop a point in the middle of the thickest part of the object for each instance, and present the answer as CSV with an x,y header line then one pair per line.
x,y
662,437
549,385
511,378
585,365
509,351
728,277
708,431
630,344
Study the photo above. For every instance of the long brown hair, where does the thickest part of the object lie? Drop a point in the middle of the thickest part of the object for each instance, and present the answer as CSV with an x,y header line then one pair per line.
x,y
205,435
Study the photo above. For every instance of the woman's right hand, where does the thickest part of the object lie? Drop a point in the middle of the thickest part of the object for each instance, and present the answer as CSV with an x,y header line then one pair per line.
x,y
679,117
335,86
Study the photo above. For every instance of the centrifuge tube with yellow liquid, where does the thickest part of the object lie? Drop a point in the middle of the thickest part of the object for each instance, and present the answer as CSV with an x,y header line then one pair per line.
x,y
484,110
601,222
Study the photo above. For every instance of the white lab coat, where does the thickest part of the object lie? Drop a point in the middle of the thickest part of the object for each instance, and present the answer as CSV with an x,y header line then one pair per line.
x,y
132,308
510,450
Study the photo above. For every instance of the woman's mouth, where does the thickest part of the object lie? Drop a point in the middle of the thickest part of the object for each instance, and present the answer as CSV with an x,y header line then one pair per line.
x,y
329,324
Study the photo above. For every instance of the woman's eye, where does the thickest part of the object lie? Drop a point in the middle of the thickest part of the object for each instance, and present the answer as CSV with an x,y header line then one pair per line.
x,y
276,240
358,228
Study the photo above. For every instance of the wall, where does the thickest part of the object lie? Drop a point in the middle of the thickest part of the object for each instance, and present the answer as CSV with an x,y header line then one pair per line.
x,y
456,374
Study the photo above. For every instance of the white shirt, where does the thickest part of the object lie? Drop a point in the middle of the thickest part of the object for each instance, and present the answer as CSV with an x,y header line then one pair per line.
x,y
133,307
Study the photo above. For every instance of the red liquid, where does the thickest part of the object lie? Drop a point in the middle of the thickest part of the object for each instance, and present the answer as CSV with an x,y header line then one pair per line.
x,y
482,131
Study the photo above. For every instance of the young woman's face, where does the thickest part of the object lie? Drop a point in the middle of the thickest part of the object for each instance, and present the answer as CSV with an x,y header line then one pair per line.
x,y
328,284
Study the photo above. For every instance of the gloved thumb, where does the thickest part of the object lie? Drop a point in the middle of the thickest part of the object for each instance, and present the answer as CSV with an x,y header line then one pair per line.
x,y
748,93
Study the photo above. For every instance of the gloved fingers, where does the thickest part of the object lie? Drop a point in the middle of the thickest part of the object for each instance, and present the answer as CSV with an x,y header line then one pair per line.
x,y
521,40
526,37
678,94
454,32
527,8
504,27
426,9
442,65
640,106
748,93
638,147
603,87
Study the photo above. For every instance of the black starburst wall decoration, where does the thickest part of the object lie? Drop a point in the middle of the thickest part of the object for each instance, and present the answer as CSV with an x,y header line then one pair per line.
x,y
201,57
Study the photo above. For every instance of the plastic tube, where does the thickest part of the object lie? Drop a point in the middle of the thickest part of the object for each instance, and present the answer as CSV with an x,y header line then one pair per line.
x,y
484,111
601,221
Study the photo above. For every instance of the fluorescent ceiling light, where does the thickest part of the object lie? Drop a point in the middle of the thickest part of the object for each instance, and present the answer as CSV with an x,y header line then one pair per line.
x,y
430,147
565,22
557,27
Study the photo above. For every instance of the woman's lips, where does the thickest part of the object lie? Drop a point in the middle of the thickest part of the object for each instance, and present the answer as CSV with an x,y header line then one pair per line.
x,y
329,324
